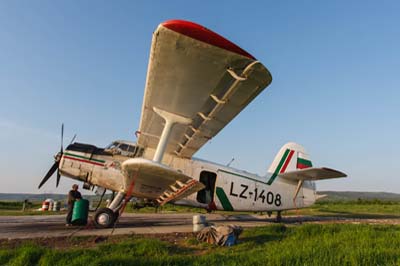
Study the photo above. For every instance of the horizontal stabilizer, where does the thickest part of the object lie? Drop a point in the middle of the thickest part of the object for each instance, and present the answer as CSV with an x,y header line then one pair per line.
x,y
312,174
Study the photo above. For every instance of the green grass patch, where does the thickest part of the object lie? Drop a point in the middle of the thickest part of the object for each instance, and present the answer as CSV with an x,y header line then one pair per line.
x,y
14,208
11,205
352,209
309,244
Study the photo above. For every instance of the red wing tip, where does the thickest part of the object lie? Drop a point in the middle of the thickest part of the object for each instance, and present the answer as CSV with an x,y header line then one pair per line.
x,y
203,34
182,23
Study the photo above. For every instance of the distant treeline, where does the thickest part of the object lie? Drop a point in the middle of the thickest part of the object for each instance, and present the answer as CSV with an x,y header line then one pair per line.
x,y
42,197
335,196
358,202
341,196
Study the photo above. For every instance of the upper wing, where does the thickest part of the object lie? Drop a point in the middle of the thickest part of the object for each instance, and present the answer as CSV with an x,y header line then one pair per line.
x,y
152,180
195,73
313,174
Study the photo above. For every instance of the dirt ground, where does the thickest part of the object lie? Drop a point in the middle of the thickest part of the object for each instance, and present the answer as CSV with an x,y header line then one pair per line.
x,y
91,241
87,241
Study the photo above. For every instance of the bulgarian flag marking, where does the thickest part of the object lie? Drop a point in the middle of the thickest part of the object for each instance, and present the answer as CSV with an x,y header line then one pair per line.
x,y
303,163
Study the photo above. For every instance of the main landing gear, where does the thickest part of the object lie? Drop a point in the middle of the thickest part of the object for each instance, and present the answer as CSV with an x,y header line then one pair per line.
x,y
279,216
106,217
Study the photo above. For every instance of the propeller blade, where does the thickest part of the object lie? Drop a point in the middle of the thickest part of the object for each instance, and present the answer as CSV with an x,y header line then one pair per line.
x,y
58,177
49,174
62,137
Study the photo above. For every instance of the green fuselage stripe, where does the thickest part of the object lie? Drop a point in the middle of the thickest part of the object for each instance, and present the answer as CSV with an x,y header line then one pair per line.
x,y
85,158
223,198
282,161
304,161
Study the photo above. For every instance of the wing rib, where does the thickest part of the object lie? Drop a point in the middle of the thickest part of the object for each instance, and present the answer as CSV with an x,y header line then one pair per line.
x,y
220,103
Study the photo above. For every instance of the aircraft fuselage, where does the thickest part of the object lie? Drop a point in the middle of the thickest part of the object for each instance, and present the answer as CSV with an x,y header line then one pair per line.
x,y
226,188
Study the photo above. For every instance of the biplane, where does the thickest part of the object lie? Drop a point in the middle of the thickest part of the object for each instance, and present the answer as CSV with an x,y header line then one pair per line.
x,y
197,82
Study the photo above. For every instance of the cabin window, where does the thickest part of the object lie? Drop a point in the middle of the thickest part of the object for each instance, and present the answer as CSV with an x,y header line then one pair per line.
x,y
123,147
206,195
131,148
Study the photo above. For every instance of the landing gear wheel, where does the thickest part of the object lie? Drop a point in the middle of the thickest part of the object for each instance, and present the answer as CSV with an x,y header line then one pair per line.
x,y
279,217
105,218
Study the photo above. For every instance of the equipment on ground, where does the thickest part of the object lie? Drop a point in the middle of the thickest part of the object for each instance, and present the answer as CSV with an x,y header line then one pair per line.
x,y
199,222
80,212
225,235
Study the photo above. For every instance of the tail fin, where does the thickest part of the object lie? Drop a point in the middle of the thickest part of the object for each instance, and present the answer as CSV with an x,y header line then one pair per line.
x,y
290,157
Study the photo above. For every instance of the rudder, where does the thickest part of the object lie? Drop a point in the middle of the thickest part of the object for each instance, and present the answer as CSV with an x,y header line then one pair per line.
x,y
290,157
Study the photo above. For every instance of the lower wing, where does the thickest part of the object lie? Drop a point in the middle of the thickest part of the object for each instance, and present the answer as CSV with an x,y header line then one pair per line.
x,y
152,180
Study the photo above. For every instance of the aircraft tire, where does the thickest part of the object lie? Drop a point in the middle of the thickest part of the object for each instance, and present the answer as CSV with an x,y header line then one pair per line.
x,y
104,218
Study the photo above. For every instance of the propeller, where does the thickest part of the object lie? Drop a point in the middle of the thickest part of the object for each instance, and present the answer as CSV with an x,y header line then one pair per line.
x,y
49,174
56,164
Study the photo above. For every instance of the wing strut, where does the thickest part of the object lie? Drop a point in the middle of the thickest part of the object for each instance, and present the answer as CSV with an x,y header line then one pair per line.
x,y
170,120
299,184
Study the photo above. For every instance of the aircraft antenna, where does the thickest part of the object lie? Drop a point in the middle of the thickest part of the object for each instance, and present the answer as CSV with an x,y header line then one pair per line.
x,y
231,161
72,140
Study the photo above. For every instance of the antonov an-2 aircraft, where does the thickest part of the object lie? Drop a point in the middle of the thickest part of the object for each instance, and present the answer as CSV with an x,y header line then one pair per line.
x,y
197,82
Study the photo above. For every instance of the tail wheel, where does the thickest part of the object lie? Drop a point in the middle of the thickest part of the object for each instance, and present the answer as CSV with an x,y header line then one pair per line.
x,y
279,216
105,218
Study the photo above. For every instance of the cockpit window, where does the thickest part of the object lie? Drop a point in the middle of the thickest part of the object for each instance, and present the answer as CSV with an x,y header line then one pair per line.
x,y
112,145
125,149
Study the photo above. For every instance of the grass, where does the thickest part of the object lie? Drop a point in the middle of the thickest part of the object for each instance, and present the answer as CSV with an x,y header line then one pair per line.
x,y
354,209
14,208
309,244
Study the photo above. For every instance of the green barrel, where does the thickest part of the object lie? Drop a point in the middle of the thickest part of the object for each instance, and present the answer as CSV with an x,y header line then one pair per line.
x,y
80,212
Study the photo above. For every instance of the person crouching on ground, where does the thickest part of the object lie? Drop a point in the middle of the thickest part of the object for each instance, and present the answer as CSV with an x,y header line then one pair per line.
x,y
73,196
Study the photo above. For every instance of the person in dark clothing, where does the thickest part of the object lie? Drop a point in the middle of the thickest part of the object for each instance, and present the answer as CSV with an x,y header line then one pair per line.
x,y
73,196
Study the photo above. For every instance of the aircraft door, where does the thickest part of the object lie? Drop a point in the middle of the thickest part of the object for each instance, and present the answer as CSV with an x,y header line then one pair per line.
x,y
206,195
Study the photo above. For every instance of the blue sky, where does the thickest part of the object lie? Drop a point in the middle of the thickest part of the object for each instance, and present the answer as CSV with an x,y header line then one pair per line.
x,y
335,89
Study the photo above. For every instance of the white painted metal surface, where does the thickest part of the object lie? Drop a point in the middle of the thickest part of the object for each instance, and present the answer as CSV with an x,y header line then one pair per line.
x,y
193,89
182,75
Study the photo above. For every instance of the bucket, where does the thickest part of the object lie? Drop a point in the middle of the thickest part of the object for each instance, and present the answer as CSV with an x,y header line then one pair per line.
x,y
199,222
199,219
80,212
45,206
56,206
51,204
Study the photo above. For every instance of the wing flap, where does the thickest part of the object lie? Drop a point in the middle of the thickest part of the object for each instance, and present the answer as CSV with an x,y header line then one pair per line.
x,y
154,180
313,174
